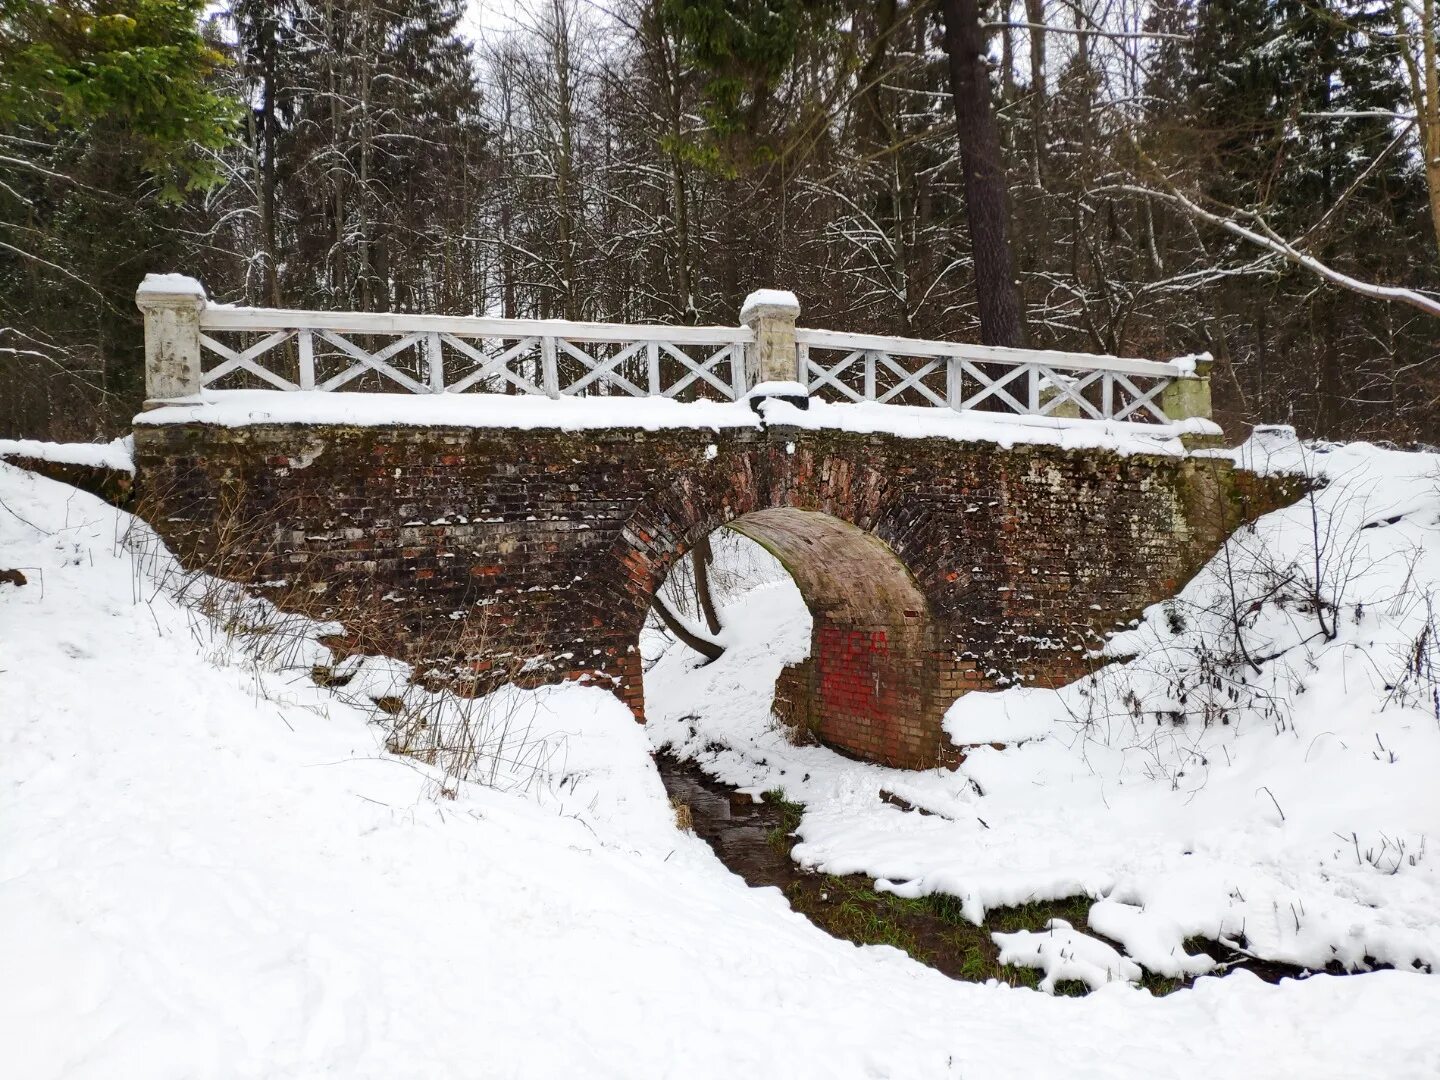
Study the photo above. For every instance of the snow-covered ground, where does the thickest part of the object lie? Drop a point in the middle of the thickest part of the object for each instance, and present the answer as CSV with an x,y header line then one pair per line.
x,y
112,455
209,867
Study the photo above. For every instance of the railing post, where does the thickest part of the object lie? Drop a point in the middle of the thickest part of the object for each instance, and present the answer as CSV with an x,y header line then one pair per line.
x,y
549,367
1189,396
774,358
434,363
172,304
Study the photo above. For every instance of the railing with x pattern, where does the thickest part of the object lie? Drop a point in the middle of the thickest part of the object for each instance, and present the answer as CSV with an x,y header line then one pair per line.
x,y
869,367
193,345
312,350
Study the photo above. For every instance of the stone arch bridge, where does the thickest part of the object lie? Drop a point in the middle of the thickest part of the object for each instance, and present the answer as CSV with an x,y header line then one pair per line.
x,y
522,535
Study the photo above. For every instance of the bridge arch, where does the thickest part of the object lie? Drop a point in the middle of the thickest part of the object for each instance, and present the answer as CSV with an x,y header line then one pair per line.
x,y
880,675
486,555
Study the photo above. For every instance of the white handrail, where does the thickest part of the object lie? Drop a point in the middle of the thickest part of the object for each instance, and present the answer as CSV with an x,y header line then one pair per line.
x,y
993,354
373,322
554,357
450,354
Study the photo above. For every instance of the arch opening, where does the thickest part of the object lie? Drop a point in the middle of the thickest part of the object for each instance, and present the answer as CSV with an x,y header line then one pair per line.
x,y
872,686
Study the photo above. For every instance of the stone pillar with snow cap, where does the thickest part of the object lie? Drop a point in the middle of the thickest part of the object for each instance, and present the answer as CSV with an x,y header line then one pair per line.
x,y
1055,386
1186,401
1189,395
172,304
772,363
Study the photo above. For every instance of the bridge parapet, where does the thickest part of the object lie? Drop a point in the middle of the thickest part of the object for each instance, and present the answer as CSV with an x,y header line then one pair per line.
x,y
193,346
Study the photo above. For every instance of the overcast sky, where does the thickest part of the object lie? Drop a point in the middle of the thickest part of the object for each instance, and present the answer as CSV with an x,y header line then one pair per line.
x,y
485,17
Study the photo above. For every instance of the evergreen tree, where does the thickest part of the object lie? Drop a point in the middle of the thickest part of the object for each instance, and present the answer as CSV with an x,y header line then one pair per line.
x,y
110,112
1283,100
367,138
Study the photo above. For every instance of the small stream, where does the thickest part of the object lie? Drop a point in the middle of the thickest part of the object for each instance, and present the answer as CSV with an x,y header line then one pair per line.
x,y
754,841
739,830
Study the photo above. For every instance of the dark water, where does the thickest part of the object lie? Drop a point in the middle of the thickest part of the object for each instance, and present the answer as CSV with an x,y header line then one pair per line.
x,y
741,832
754,840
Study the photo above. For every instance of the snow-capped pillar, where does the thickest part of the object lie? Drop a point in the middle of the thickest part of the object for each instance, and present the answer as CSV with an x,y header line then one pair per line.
x,y
1050,389
172,304
1186,401
1188,397
772,363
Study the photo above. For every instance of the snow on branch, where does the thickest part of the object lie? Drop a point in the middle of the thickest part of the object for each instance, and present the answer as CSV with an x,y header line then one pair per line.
x,y
1268,240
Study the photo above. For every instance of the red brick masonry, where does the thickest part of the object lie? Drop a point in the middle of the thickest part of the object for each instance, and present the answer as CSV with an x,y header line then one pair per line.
x,y
932,567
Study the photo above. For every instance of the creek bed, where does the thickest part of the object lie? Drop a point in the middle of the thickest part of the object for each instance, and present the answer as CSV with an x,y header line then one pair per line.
x,y
754,840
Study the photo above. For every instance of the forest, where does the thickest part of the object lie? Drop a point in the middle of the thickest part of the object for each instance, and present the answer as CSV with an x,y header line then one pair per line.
x,y
1259,179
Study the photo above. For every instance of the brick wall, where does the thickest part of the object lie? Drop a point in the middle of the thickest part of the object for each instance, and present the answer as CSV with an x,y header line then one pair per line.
x,y
932,567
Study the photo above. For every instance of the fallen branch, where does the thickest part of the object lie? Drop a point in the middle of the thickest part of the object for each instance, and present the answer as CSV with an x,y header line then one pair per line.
x,y
711,650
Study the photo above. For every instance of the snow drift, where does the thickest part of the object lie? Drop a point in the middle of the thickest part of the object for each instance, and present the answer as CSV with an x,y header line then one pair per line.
x,y
1257,771
210,867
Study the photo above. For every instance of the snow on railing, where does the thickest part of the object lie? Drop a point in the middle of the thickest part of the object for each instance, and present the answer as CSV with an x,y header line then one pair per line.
x,y
193,345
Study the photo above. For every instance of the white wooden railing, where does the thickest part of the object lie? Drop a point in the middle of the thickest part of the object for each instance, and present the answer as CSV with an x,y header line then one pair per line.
x,y
318,350
193,345
869,367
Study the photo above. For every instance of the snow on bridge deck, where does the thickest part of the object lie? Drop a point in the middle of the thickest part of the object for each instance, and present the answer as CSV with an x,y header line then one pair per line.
x,y
239,408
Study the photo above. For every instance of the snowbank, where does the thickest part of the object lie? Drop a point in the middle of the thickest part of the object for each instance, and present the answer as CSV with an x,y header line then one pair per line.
x,y
238,408
1064,953
1006,429
114,455
210,868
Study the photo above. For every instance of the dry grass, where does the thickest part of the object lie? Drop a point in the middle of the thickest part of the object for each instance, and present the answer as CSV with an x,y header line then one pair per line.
x,y
441,716
684,819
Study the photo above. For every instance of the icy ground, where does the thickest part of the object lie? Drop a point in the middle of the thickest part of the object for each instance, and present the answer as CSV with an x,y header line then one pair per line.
x,y
1290,807
209,867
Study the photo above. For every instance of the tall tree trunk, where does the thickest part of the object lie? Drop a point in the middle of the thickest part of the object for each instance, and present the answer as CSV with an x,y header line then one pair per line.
x,y
984,175
684,287
1035,16
1427,107
1007,55
900,209
367,265
684,284
267,161
1431,123
564,160
339,286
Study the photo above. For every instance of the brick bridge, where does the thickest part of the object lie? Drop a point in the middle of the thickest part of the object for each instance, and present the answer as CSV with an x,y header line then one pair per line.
x,y
522,536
